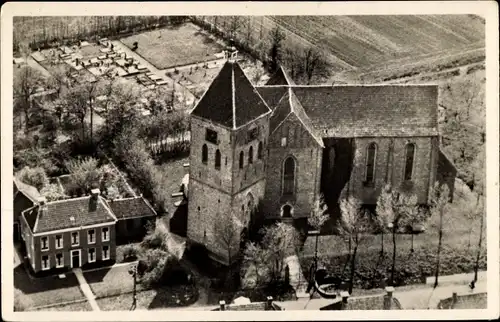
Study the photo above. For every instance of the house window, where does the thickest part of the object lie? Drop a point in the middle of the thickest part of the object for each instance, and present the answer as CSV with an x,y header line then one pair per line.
x,y
105,234
204,154
91,236
91,255
250,155
59,260
289,176
59,241
371,152
410,158
283,141
75,239
259,151
44,243
211,136
217,159
242,156
45,263
105,252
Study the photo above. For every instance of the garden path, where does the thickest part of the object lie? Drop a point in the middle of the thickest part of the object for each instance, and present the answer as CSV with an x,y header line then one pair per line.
x,y
86,289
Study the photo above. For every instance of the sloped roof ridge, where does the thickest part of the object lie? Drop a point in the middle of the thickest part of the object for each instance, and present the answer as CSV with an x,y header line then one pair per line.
x,y
297,109
351,85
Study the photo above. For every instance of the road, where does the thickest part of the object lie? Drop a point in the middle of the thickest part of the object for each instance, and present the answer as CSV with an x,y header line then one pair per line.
x,y
187,96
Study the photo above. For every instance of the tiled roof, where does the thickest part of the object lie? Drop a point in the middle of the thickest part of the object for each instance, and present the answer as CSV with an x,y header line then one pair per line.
x,y
231,100
290,105
280,77
131,207
29,191
57,214
365,110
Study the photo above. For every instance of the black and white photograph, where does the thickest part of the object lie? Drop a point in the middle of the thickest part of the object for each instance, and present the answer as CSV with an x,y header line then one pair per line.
x,y
174,160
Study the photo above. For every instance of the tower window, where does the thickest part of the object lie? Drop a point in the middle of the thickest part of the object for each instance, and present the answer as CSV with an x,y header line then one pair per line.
x,y
371,152
217,159
242,156
252,134
250,155
283,141
204,154
211,136
259,151
410,158
289,176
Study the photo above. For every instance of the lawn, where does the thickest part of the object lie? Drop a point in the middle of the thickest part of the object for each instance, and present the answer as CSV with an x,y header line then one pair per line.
x,y
46,290
174,46
110,281
457,255
152,299
71,307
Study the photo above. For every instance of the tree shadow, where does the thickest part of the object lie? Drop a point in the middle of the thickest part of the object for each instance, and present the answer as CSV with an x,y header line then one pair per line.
x,y
29,282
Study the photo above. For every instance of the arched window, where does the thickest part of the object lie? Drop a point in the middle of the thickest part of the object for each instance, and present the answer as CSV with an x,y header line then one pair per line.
x,y
204,154
241,159
287,211
217,159
289,176
410,157
250,155
371,153
259,151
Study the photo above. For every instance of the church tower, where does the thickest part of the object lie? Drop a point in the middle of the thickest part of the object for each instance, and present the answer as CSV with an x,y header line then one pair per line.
x,y
229,132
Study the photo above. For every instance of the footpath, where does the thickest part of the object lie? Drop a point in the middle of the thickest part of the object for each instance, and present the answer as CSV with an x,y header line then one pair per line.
x,y
84,286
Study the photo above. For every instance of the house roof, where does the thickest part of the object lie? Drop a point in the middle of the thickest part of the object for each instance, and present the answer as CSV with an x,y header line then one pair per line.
x,y
68,213
30,192
131,207
231,100
365,110
289,105
280,77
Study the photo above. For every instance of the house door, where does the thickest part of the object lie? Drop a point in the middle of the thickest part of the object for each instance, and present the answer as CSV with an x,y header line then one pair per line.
x,y
75,258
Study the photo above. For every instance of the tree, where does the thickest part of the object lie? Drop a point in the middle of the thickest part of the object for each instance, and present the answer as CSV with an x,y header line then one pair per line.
x,y
85,173
355,223
35,177
52,192
396,207
317,218
26,82
79,102
277,37
234,26
383,211
226,232
440,196
315,63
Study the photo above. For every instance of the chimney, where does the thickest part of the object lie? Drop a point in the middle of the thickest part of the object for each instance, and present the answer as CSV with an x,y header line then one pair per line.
x,y
269,303
94,195
388,297
222,305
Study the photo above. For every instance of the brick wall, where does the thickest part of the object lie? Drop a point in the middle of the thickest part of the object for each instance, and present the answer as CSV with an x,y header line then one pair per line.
x,y
67,247
391,167
308,157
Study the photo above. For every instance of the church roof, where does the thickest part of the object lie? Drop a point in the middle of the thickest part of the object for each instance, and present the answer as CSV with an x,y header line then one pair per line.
x,y
280,77
364,110
290,105
231,100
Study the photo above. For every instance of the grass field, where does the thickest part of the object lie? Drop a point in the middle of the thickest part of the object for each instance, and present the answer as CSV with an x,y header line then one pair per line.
x,y
363,42
174,46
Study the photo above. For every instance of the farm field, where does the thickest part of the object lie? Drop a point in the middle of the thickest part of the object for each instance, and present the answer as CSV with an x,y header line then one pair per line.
x,y
368,42
174,46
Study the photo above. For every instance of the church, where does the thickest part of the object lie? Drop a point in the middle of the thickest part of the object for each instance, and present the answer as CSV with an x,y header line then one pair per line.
x,y
281,145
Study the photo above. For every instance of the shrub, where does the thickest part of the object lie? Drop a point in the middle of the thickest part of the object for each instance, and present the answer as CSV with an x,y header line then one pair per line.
x,y
131,252
52,192
33,176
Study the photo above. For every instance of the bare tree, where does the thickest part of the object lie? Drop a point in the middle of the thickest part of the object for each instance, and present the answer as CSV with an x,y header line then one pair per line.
x,y
277,37
355,224
314,63
26,82
226,232
397,208
440,199
317,218
234,26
